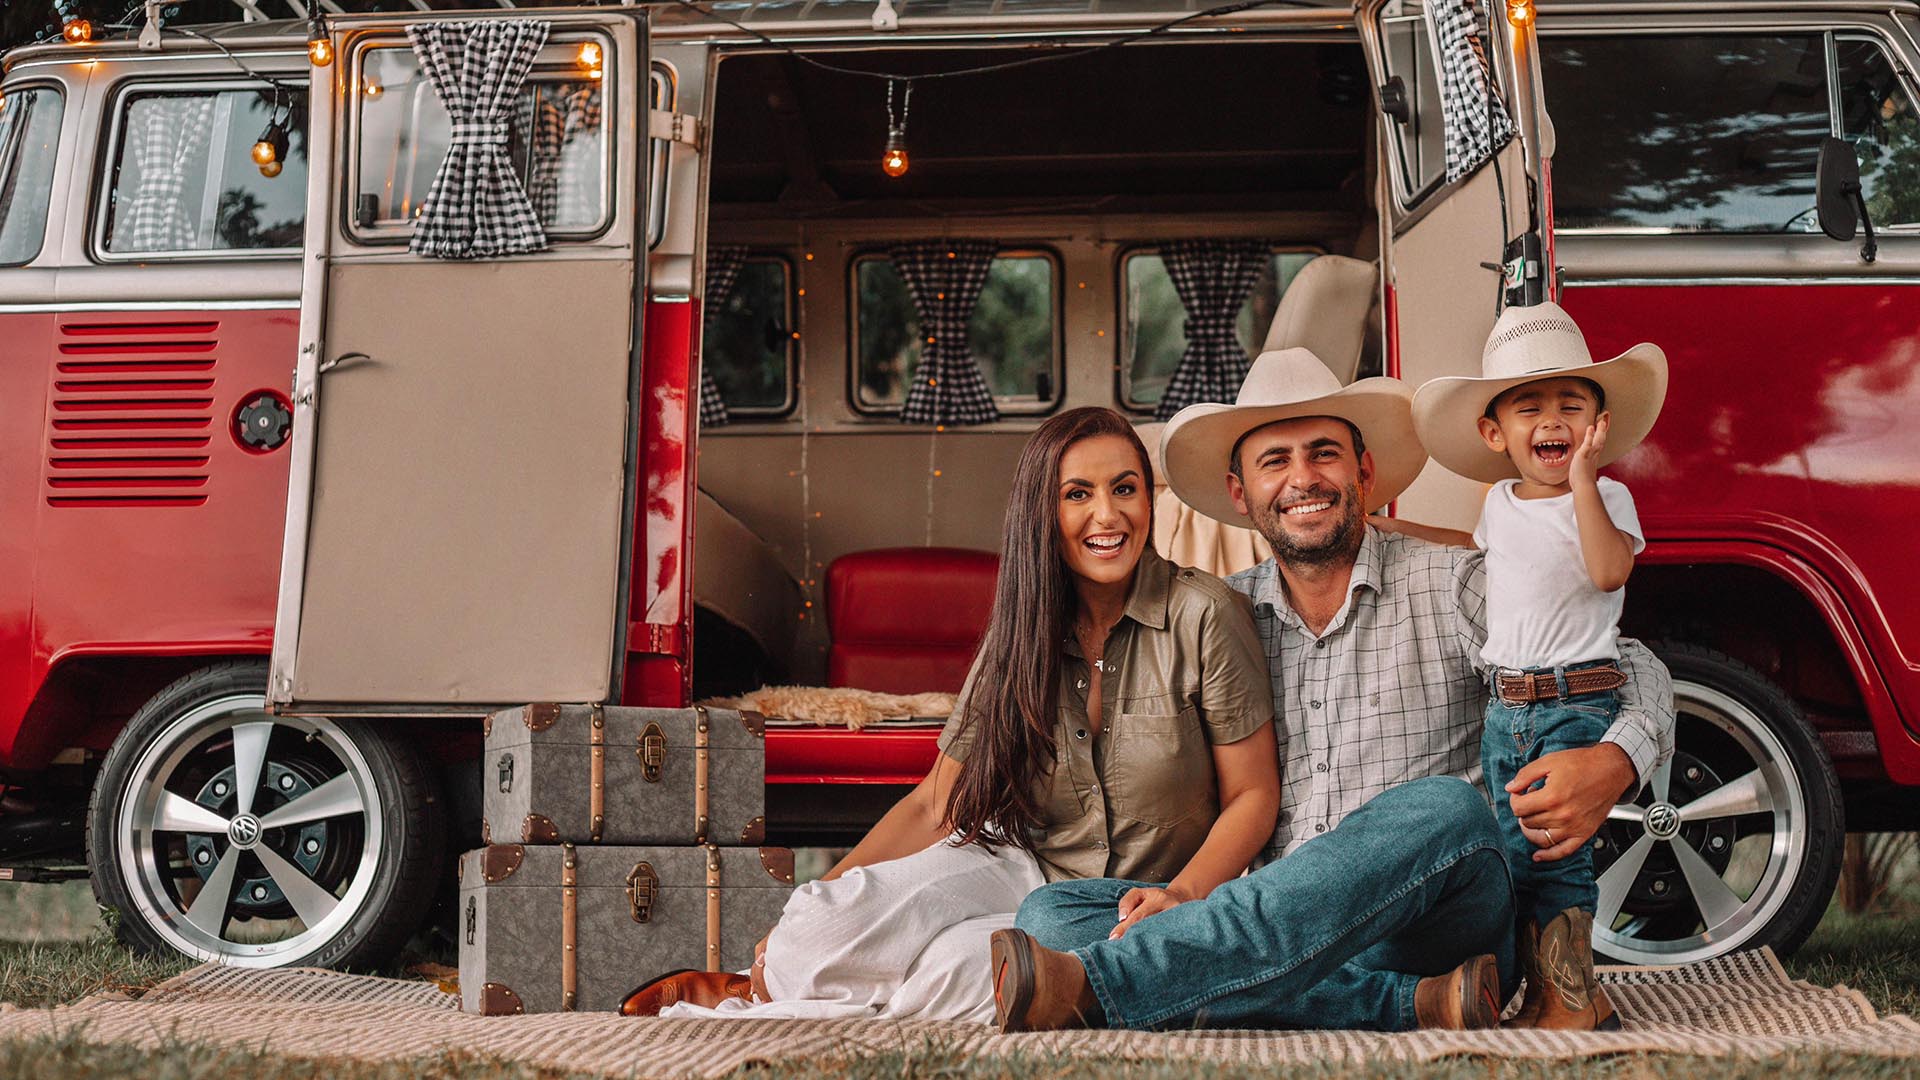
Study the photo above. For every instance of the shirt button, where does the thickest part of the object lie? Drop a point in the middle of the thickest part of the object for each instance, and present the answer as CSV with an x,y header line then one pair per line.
x,y
1100,844
1080,684
1321,644
1321,827
1315,704
1322,767
1080,734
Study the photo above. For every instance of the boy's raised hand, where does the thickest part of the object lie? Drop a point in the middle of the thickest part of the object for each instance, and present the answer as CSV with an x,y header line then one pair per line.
x,y
1585,470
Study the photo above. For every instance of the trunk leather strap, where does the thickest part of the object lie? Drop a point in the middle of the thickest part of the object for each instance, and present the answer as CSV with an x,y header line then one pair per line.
x,y
702,739
597,775
713,908
569,928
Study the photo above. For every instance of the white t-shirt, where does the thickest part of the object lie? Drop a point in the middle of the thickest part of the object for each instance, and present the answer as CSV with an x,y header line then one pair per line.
x,y
1542,608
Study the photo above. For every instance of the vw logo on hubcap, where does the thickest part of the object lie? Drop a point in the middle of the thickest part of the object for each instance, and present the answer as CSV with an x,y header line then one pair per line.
x,y
244,831
1663,820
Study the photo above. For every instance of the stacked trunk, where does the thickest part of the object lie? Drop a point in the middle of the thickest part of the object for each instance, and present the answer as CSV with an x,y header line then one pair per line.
x,y
638,852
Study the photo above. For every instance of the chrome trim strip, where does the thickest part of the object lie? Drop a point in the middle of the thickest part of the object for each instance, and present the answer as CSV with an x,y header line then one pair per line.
x,y
321,165
154,305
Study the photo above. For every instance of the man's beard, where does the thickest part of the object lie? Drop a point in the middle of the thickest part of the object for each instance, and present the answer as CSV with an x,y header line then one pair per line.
x,y
1340,542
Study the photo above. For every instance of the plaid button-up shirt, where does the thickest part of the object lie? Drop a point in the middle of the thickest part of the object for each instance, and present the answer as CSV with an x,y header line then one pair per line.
x,y
1394,688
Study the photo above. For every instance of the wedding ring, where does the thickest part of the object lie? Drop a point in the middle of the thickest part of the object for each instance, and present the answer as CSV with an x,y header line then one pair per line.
x,y
1549,833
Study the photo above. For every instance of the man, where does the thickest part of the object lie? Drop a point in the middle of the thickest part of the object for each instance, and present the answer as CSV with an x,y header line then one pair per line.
x,y
1388,903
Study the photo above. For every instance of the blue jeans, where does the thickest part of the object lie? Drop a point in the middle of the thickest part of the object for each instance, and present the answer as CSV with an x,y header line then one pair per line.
x,y
1334,935
1515,736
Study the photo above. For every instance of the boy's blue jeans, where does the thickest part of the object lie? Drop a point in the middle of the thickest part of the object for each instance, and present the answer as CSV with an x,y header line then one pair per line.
x,y
1334,935
1517,735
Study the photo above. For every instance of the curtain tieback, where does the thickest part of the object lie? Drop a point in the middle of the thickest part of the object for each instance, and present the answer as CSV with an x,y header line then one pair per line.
x,y
494,134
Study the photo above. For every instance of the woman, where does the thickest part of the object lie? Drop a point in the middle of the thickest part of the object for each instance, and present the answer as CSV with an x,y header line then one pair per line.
x,y
1117,721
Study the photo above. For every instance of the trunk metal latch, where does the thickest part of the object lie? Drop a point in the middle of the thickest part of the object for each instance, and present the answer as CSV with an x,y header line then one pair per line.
x,y
643,885
506,773
653,752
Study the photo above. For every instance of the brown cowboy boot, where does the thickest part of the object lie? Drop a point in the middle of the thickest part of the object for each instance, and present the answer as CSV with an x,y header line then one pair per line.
x,y
1466,997
1036,988
1527,953
1569,997
706,988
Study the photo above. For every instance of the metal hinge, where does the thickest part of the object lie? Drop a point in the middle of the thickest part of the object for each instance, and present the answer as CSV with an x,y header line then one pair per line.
x,y
673,127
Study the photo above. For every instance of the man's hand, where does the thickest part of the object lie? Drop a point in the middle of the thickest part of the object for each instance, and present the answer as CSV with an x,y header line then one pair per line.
x,y
1140,903
1581,786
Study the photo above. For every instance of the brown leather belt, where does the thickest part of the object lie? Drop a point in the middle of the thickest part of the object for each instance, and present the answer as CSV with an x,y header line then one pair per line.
x,y
1523,689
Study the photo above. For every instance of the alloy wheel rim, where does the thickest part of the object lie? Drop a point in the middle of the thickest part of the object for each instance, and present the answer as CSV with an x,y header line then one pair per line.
x,y
158,815
1763,793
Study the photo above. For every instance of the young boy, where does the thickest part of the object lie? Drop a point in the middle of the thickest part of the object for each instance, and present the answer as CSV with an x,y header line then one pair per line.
x,y
1560,541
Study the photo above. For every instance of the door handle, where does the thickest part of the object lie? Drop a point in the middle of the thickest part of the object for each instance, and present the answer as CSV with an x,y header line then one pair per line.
x,y
343,358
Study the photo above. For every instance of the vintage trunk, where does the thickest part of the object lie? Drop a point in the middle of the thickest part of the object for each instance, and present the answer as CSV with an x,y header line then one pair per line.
x,y
589,774
562,928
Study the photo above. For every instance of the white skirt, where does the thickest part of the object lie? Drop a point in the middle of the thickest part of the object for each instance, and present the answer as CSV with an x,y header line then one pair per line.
x,y
905,939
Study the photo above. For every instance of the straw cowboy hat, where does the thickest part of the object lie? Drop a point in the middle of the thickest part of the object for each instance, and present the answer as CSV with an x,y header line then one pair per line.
x,y
1527,344
1284,385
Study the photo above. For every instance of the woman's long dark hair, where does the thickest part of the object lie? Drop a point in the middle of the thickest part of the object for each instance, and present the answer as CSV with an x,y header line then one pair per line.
x,y
1010,712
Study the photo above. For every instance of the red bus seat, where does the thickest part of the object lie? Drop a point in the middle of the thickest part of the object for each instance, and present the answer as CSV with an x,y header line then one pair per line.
x,y
907,620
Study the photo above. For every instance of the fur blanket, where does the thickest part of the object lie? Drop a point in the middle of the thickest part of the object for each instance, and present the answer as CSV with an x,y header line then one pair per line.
x,y
827,706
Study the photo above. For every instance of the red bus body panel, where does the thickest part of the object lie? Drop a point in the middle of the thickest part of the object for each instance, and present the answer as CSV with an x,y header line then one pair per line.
x,y
138,524
1787,443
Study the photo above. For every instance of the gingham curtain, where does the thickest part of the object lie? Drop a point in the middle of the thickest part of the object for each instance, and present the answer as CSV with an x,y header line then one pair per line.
x,y
476,208
945,278
724,262
1474,117
167,140
1213,278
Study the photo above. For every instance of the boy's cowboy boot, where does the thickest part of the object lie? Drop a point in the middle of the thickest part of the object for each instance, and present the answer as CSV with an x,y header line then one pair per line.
x,y
1465,998
1527,952
1569,998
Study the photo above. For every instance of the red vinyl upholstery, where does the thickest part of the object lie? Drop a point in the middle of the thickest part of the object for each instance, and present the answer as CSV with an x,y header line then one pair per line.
x,y
907,620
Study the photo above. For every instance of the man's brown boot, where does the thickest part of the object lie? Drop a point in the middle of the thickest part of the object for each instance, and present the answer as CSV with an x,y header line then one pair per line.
x,y
1569,997
1037,989
1466,997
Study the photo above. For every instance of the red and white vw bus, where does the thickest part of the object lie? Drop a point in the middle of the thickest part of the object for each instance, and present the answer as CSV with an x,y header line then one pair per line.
x,y
290,507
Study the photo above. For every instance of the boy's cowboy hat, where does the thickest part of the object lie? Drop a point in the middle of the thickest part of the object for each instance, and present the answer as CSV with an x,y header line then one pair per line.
x,y
1284,385
1527,344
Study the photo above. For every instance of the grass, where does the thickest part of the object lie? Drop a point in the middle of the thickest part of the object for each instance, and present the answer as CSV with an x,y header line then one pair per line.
x,y
1877,953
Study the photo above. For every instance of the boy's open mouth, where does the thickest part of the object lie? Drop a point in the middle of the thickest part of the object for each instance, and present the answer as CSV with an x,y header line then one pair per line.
x,y
1552,451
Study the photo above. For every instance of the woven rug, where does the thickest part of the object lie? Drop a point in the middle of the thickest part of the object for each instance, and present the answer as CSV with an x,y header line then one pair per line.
x,y
1743,1005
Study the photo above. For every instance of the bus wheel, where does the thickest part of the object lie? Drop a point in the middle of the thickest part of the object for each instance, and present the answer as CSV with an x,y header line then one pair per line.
x,y
236,837
1735,843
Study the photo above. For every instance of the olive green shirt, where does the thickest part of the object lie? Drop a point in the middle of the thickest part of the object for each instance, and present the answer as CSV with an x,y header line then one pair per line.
x,y
1183,671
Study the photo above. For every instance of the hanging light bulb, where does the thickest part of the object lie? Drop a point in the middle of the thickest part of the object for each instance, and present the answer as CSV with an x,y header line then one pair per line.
x,y
1520,13
77,31
894,161
319,42
270,151
589,55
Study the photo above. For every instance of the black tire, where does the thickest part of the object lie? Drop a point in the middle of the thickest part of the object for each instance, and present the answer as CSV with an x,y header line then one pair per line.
x,y
1734,725
379,881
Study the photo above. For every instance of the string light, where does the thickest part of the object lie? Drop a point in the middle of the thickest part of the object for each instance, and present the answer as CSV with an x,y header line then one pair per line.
x,y
77,31
1520,12
270,150
894,161
319,42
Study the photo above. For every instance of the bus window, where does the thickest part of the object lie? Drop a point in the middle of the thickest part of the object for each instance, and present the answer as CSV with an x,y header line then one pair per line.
x,y
1694,133
184,181
1155,323
1877,116
556,140
1013,333
29,139
748,342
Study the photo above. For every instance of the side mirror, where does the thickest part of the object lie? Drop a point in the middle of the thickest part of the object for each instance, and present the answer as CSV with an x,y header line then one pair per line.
x,y
1837,196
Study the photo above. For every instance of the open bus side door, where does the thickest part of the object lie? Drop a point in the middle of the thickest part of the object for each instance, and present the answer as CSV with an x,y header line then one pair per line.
x,y
1441,240
462,480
